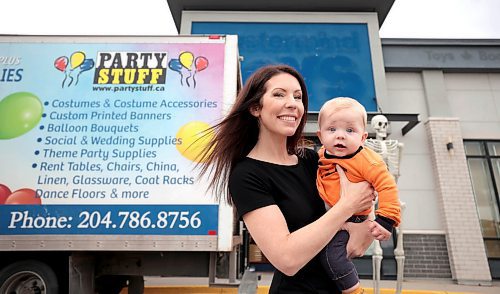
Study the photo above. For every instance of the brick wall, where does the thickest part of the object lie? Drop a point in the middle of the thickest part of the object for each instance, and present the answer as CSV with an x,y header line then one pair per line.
x,y
426,256
464,241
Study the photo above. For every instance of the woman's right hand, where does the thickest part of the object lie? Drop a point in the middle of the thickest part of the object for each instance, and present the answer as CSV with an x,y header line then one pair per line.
x,y
354,196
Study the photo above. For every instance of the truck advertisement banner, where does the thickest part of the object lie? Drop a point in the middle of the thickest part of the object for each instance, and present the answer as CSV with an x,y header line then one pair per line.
x,y
102,138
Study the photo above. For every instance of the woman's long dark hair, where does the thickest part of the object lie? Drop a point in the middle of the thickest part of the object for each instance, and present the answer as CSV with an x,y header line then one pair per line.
x,y
236,135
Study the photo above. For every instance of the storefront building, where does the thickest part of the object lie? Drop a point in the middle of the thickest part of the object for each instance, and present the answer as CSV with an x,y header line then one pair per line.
x,y
442,98
450,166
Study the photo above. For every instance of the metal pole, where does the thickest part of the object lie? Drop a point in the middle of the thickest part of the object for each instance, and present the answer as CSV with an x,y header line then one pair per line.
x,y
249,282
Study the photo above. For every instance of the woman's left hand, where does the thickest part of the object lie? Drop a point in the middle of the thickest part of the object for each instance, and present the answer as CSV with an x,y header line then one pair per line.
x,y
360,238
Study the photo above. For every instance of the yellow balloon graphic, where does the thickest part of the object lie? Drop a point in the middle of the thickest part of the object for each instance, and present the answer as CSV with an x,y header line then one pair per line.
x,y
194,139
76,59
186,59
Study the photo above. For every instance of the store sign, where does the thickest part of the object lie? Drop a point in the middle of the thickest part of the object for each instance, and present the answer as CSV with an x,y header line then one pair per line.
x,y
334,58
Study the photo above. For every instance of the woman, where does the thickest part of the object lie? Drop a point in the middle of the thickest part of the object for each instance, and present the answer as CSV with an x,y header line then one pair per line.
x,y
258,160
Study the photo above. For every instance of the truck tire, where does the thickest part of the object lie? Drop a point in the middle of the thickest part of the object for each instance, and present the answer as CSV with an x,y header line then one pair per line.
x,y
28,276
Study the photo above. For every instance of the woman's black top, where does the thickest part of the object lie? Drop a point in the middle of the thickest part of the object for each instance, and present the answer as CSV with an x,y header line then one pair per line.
x,y
254,184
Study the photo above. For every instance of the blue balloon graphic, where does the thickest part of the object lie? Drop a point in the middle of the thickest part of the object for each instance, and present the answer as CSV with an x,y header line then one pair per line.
x,y
86,65
175,65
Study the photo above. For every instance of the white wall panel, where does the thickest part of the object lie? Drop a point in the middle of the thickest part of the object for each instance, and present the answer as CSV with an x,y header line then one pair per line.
x,y
473,106
421,213
463,81
494,81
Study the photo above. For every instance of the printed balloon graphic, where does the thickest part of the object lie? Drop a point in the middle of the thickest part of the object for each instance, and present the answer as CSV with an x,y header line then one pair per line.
x,y
19,113
23,196
184,64
200,63
195,137
86,65
61,63
4,193
186,59
175,65
77,59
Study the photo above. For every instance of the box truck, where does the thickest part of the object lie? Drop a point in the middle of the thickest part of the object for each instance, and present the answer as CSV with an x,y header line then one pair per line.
x,y
99,137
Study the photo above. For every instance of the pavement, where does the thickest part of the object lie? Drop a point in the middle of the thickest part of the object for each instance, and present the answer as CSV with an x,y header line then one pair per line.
x,y
158,285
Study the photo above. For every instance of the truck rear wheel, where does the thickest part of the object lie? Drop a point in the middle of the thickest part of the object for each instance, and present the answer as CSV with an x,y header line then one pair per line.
x,y
28,276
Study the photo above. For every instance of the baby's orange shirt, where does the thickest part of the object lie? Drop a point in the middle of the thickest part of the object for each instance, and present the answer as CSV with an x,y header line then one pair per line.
x,y
364,165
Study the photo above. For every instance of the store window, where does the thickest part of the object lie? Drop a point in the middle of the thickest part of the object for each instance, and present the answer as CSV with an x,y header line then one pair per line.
x,y
483,159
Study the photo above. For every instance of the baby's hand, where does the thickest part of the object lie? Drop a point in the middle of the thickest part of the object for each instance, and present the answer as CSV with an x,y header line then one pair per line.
x,y
379,232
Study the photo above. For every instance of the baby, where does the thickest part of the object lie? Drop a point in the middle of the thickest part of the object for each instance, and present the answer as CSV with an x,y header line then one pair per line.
x,y
342,131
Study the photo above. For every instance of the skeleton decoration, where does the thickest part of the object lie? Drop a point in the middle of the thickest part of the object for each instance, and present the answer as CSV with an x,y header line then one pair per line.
x,y
391,151
379,124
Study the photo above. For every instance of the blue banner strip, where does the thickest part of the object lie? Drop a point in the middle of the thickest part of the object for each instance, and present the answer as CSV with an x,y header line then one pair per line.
x,y
108,219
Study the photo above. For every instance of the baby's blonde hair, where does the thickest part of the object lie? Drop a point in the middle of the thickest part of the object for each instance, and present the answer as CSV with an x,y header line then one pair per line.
x,y
338,103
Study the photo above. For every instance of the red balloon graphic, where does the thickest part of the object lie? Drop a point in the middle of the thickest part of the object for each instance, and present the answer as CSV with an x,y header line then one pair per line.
x,y
61,63
4,193
200,63
23,196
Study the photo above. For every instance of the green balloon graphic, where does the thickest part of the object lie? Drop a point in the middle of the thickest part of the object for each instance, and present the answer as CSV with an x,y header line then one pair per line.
x,y
19,113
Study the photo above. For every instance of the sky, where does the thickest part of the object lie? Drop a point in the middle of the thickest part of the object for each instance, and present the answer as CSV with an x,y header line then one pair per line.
x,y
440,19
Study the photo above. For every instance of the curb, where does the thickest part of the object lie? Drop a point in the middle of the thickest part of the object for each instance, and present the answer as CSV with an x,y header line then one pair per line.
x,y
262,290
